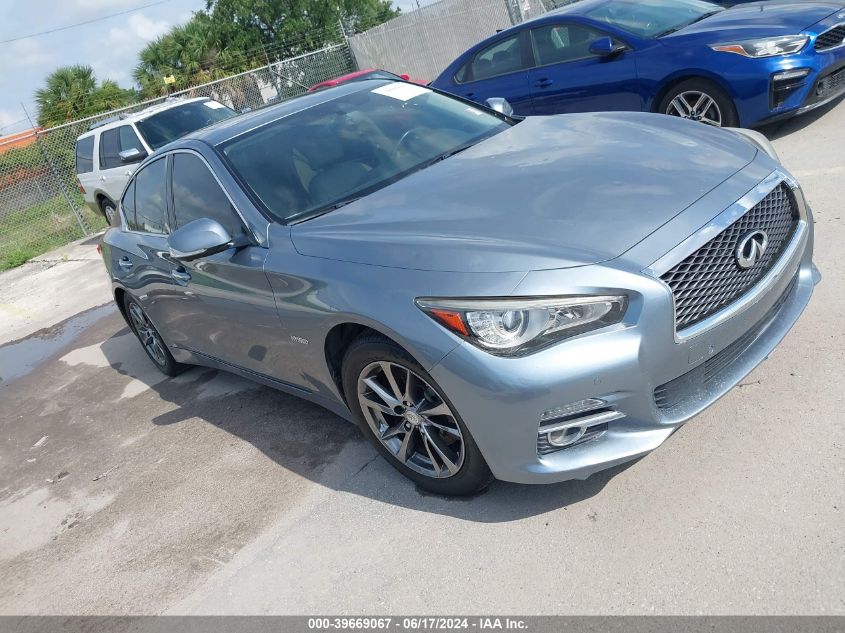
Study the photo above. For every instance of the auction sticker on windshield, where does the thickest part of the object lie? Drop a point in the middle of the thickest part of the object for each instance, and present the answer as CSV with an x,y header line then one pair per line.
x,y
401,91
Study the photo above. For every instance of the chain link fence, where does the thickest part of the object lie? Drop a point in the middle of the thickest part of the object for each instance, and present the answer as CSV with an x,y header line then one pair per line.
x,y
40,205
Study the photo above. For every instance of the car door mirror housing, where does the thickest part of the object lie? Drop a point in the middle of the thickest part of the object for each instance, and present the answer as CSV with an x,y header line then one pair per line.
x,y
607,47
132,155
500,105
197,239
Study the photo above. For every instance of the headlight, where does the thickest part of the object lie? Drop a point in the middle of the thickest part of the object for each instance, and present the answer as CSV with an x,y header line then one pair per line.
x,y
766,47
513,326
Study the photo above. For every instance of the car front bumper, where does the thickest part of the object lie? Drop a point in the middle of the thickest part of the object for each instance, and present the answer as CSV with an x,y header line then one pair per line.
x,y
631,368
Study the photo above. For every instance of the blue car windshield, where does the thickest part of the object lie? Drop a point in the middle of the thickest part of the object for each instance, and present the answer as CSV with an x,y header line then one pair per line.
x,y
652,18
324,156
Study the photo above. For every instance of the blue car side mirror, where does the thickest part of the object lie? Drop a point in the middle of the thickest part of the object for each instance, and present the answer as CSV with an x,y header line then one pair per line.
x,y
607,47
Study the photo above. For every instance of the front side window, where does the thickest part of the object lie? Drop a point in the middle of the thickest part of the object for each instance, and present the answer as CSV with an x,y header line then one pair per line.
x,y
150,187
501,58
127,205
561,43
114,141
652,18
196,194
85,155
167,126
309,162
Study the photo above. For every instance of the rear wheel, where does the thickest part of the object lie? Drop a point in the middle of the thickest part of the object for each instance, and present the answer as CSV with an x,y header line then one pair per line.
x,y
700,100
409,419
150,339
109,210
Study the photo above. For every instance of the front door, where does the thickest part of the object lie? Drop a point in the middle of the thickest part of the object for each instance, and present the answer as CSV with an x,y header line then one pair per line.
x,y
114,173
567,77
225,308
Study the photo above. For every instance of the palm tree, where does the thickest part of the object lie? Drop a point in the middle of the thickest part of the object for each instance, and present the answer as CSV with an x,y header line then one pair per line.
x,y
66,96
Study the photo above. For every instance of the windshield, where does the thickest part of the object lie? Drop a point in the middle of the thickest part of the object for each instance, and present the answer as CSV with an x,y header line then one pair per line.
x,y
169,125
652,18
312,161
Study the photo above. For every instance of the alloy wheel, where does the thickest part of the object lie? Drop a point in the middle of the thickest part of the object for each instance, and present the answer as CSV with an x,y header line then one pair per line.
x,y
147,335
411,419
696,106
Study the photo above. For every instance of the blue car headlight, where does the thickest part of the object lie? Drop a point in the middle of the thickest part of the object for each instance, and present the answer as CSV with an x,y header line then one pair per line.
x,y
511,326
764,47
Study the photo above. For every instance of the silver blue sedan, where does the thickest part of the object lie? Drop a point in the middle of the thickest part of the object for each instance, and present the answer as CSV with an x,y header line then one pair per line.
x,y
531,300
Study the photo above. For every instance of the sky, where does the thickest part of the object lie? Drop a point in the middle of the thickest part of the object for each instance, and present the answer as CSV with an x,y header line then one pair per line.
x,y
109,46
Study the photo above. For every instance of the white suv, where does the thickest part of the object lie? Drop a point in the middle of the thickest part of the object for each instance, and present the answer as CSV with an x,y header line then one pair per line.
x,y
108,154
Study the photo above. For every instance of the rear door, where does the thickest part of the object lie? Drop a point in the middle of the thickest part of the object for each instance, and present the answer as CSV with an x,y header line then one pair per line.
x,y
499,70
226,310
113,171
567,77
141,262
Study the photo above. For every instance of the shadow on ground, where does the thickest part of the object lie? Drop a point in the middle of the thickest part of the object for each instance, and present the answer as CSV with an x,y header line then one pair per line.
x,y
314,443
774,131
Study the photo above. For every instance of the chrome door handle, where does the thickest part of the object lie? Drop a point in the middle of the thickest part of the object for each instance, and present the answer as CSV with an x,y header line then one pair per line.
x,y
127,173
125,263
103,178
180,275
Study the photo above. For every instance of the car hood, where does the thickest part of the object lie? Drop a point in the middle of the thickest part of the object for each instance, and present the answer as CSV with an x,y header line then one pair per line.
x,y
551,192
761,19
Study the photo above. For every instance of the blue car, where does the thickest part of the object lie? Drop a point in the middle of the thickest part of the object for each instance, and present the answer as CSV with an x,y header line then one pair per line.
x,y
742,66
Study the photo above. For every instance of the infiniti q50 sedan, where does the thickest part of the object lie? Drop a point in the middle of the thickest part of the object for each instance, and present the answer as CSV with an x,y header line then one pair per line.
x,y
531,300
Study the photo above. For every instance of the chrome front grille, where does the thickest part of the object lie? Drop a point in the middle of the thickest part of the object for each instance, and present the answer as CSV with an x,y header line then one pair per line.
x,y
832,38
710,279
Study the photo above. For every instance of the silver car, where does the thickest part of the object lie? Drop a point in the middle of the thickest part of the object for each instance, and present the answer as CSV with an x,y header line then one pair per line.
x,y
530,300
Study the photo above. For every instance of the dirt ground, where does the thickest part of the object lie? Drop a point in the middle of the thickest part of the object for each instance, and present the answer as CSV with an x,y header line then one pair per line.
x,y
122,492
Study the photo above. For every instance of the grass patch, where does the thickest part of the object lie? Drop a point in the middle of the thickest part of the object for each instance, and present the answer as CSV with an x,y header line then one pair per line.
x,y
40,228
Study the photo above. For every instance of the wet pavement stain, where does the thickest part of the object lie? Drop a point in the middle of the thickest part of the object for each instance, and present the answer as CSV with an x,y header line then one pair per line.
x,y
19,358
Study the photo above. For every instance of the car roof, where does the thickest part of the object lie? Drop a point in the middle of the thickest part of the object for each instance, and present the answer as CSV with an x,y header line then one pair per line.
x,y
227,129
140,115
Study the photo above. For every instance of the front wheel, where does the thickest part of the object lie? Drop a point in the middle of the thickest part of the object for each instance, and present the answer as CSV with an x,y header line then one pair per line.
x,y
409,419
700,100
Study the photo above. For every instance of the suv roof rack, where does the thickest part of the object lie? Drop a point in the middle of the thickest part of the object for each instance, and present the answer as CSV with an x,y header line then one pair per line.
x,y
111,119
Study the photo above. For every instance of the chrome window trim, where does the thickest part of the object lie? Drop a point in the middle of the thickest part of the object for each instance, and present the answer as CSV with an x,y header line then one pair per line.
x,y
832,48
713,229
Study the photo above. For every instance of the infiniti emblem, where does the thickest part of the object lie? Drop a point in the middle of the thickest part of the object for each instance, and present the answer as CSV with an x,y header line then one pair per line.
x,y
751,248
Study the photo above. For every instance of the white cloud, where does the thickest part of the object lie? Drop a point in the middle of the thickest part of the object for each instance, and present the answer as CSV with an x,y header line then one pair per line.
x,y
138,27
100,5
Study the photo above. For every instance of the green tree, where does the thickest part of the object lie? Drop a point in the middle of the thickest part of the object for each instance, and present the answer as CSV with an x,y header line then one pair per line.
x,y
71,92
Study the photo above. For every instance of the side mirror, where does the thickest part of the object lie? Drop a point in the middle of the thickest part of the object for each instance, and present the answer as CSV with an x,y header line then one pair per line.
x,y
500,105
606,47
199,238
132,155
405,77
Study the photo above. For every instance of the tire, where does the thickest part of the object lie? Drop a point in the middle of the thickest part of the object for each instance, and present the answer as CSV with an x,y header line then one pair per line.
x,y
717,107
441,455
150,339
109,210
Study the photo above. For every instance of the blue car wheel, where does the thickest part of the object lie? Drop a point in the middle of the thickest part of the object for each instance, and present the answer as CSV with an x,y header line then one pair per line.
x,y
700,100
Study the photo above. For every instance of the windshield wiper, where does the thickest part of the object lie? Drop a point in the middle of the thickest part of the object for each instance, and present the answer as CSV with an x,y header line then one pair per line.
x,y
445,155
675,29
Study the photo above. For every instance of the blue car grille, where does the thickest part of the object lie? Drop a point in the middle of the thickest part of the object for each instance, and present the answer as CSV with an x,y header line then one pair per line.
x,y
831,39
710,279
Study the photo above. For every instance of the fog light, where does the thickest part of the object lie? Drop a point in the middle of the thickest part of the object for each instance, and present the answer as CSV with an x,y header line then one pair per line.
x,y
786,75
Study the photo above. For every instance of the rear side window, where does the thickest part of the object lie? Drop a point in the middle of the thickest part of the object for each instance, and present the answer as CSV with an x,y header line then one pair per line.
x,y
85,155
560,43
150,200
128,205
505,56
114,141
196,194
